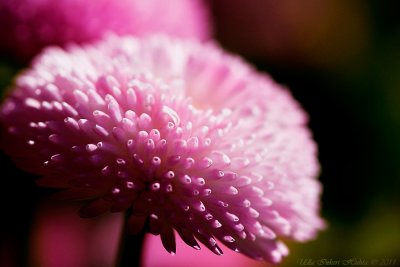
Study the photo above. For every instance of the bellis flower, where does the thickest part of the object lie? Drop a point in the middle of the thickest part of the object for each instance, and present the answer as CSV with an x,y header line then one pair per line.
x,y
184,136
29,25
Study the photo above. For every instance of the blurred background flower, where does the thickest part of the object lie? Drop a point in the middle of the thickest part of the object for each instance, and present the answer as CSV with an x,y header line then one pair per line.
x,y
29,25
62,239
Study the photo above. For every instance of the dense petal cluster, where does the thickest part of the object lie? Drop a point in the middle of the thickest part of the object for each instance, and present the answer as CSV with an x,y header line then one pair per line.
x,y
29,25
185,136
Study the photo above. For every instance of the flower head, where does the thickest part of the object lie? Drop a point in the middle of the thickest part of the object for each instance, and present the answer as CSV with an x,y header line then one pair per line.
x,y
29,25
185,136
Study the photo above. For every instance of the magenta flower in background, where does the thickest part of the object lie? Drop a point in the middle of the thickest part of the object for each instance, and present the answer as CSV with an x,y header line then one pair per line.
x,y
29,25
181,134
60,238
156,256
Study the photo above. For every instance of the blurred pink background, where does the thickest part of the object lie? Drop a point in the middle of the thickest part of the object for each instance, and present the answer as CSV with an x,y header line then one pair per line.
x,y
61,239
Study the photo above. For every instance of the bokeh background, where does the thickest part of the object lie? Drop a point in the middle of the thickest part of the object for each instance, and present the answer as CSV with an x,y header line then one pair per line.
x,y
341,60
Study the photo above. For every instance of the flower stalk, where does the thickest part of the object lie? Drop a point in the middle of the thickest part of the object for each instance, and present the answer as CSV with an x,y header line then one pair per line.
x,y
130,252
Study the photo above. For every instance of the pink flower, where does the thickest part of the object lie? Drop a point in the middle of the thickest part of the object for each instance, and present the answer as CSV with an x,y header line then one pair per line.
x,y
29,25
184,135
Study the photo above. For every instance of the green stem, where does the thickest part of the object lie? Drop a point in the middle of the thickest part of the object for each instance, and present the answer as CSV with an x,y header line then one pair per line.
x,y
131,247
